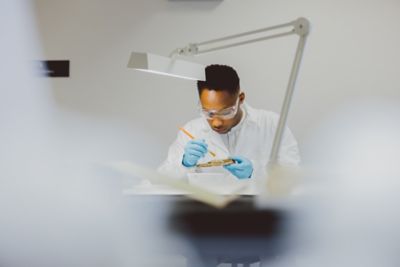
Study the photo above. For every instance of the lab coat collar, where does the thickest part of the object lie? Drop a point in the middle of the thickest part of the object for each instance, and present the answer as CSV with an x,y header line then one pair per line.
x,y
250,113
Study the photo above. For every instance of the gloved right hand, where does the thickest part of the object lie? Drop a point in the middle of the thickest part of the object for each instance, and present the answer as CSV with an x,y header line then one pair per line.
x,y
194,150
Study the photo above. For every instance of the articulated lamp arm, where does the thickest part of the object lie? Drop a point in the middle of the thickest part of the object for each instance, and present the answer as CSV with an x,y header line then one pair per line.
x,y
299,27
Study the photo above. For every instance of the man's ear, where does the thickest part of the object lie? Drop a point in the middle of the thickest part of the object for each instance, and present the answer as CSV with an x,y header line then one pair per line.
x,y
242,96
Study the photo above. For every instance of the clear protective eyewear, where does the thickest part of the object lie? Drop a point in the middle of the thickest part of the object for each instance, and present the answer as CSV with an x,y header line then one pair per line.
x,y
225,114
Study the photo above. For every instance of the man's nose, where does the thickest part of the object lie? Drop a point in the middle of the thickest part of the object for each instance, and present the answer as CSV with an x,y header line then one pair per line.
x,y
216,122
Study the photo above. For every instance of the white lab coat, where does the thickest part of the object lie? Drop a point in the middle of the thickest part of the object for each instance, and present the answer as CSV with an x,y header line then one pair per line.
x,y
251,138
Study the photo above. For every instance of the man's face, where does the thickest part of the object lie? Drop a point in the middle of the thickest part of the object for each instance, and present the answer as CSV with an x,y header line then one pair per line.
x,y
223,108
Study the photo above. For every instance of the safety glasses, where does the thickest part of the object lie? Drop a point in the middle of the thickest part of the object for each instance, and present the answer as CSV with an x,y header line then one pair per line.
x,y
225,114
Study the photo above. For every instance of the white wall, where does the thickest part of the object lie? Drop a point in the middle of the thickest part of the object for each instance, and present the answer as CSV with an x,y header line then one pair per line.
x,y
116,113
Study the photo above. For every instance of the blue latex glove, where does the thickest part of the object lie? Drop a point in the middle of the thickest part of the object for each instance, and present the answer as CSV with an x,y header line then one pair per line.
x,y
242,168
194,150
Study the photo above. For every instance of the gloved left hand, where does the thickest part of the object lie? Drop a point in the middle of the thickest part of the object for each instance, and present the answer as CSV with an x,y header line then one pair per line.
x,y
242,168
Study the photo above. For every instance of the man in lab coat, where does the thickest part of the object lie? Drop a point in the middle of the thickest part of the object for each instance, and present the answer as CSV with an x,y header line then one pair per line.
x,y
230,128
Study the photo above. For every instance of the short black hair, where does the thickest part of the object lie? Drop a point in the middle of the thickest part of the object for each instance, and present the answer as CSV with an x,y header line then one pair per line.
x,y
220,78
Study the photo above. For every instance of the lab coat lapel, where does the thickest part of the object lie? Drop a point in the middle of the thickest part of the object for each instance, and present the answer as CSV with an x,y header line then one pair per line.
x,y
243,140
216,141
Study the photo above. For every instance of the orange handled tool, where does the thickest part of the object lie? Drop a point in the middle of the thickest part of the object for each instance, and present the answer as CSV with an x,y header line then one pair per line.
x,y
192,137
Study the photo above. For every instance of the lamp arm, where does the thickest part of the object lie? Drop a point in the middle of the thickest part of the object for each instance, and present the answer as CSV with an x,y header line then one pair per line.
x,y
273,158
243,42
300,27
247,33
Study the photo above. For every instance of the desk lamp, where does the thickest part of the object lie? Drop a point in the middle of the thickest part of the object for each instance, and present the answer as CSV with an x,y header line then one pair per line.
x,y
173,66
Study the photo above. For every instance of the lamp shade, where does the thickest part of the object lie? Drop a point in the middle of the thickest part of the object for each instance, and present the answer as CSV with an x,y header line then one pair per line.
x,y
166,66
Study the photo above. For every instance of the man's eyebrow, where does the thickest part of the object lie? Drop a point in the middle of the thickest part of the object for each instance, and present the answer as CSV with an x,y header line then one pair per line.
x,y
225,107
